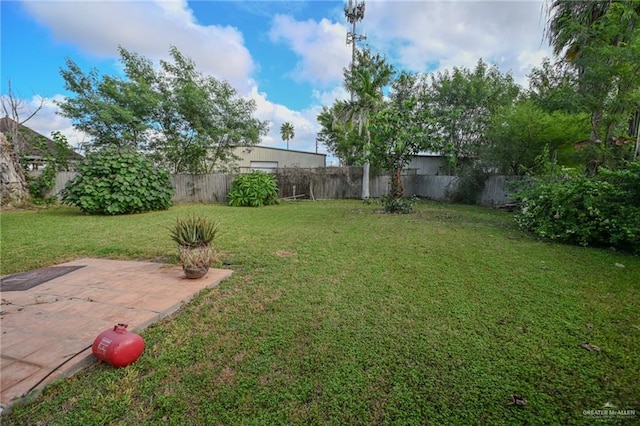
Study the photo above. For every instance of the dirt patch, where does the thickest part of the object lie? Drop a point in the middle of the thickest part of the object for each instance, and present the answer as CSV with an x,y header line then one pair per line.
x,y
284,253
227,375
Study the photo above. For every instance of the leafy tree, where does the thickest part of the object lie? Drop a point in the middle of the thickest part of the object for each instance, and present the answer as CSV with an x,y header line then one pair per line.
x,y
553,87
601,40
365,79
339,137
188,121
518,135
463,101
287,132
401,129
564,38
112,110
201,119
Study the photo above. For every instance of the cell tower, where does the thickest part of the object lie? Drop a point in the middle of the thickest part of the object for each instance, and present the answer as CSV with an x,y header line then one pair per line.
x,y
354,12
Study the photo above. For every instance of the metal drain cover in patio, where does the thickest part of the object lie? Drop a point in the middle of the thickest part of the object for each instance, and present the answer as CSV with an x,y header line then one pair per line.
x,y
26,280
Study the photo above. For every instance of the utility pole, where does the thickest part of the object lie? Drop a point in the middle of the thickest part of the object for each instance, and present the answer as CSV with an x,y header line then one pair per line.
x,y
354,12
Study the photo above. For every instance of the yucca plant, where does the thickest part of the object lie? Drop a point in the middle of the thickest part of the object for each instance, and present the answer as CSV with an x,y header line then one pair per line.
x,y
194,235
194,231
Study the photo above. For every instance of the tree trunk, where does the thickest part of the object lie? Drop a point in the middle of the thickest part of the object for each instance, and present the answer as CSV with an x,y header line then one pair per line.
x,y
596,123
397,191
365,180
13,185
366,167
636,151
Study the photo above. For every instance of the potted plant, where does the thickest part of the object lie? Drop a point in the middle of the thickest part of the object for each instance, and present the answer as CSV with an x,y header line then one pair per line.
x,y
194,236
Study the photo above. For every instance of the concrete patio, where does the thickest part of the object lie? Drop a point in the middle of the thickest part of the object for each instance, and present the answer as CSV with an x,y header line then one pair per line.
x,y
47,331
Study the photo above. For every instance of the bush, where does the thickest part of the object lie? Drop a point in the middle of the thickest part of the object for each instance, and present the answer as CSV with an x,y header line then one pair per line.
x,y
40,184
600,211
398,205
255,189
114,181
469,185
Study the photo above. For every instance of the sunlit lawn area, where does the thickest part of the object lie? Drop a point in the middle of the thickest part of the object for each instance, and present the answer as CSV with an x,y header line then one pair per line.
x,y
336,314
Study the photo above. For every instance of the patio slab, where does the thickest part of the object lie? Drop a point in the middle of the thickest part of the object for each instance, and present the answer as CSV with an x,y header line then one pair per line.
x,y
47,331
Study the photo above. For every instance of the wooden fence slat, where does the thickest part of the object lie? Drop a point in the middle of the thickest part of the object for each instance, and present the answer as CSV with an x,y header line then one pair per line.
x,y
325,183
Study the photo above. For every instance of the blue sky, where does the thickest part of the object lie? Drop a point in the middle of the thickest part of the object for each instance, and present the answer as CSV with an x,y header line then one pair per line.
x,y
286,55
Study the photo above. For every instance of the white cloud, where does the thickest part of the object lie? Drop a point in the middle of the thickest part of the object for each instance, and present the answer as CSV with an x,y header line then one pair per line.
x,y
304,123
328,97
148,28
416,35
436,35
321,47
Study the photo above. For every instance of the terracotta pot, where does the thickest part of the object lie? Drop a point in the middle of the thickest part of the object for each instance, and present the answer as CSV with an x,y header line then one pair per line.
x,y
196,260
193,272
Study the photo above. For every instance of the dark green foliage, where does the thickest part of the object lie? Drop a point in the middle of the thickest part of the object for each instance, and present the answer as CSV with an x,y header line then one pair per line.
x,y
599,211
112,110
600,40
345,127
193,231
196,119
255,189
520,134
401,129
39,185
398,205
463,101
118,181
469,185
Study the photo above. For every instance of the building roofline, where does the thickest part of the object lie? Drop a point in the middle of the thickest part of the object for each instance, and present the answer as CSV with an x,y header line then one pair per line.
x,y
280,149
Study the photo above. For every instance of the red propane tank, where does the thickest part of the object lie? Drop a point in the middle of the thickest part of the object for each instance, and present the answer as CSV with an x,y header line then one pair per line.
x,y
117,346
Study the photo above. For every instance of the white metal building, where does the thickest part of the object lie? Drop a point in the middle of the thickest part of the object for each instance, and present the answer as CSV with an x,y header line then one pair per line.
x,y
427,163
270,159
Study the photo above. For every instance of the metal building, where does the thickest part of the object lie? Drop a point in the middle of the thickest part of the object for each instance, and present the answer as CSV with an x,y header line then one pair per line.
x,y
270,159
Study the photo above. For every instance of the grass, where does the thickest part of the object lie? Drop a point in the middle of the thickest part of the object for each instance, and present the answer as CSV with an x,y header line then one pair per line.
x,y
336,314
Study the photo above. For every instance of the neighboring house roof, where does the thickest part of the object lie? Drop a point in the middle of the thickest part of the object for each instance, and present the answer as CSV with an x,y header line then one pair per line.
x,y
28,137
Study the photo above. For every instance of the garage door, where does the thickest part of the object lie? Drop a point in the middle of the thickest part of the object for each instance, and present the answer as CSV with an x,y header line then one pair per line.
x,y
265,166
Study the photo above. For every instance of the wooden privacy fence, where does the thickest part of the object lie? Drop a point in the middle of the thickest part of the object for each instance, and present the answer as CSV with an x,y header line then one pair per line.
x,y
325,183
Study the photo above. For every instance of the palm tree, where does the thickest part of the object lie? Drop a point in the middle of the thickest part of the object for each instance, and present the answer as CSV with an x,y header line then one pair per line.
x,y
287,132
560,32
570,31
568,22
365,79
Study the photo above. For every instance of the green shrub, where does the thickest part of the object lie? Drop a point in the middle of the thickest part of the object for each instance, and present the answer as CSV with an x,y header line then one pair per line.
x,y
40,184
255,189
470,184
115,181
600,211
398,205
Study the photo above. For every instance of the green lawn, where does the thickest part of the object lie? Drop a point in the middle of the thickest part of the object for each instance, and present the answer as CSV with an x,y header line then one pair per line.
x,y
336,314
